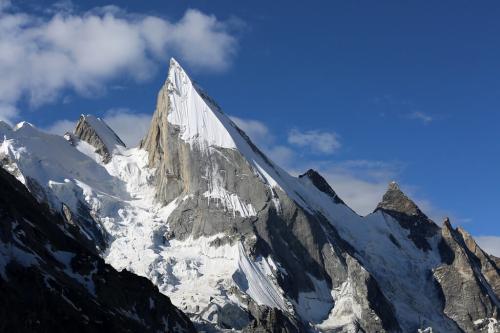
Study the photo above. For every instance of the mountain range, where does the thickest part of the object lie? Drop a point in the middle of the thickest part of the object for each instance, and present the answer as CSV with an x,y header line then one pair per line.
x,y
197,229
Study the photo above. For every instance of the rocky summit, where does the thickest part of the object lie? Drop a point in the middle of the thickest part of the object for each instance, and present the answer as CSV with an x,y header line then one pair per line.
x,y
234,241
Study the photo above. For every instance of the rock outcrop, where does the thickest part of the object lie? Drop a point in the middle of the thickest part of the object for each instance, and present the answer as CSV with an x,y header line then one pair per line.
x,y
97,133
468,280
407,213
322,185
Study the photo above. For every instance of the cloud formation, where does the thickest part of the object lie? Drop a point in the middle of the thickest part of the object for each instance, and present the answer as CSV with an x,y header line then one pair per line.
x,y
390,105
260,135
256,130
318,141
130,127
418,115
490,244
42,56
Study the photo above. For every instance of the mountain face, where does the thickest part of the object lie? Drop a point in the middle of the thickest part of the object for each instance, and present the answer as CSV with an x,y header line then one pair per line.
x,y
238,243
50,281
396,204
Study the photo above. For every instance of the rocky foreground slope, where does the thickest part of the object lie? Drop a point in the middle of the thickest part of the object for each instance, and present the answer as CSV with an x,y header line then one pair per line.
x,y
52,280
238,243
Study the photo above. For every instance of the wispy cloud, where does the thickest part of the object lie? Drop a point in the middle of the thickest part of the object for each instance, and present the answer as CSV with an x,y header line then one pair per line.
x,y
490,244
129,126
255,129
60,127
318,141
401,108
41,56
417,115
262,136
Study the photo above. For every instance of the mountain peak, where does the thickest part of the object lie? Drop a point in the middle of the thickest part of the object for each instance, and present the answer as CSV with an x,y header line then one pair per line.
x,y
398,205
184,110
393,186
97,133
321,184
397,201
23,124
173,62
176,74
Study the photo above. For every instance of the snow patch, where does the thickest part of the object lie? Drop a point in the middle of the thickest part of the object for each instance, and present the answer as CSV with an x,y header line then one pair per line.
x,y
314,306
230,201
257,280
346,310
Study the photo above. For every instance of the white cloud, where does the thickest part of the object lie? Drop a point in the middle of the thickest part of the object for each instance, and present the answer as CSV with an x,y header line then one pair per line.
x,y
281,155
261,136
256,130
318,141
417,115
7,112
61,126
130,127
203,40
40,57
490,244
4,4
360,194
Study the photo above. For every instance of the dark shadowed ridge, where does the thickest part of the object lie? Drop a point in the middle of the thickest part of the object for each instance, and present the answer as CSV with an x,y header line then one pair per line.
x,y
51,282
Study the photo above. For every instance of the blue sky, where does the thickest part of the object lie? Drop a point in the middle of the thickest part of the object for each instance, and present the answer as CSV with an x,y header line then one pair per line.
x,y
364,91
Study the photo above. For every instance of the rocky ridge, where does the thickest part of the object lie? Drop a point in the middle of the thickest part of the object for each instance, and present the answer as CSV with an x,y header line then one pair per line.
x,y
98,134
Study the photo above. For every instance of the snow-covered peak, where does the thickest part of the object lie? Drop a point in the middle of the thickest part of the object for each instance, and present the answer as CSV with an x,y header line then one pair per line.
x,y
199,119
23,124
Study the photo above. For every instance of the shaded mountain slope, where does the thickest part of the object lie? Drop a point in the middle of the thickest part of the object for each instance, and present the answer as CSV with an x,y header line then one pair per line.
x,y
51,282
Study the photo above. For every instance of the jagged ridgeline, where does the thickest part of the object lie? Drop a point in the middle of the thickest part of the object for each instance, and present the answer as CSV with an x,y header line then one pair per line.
x,y
238,243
